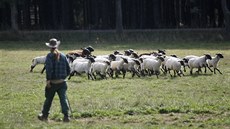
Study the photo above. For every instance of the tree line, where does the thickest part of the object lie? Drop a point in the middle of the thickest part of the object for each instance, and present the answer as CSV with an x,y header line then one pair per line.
x,y
112,14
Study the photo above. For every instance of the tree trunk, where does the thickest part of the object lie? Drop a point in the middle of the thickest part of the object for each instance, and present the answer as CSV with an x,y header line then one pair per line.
x,y
119,26
226,15
14,14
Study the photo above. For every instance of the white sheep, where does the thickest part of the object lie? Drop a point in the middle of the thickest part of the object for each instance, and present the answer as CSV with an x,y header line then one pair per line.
x,y
100,68
175,65
187,58
132,66
165,59
198,62
214,62
79,67
36,61
103,58
152,65
118,66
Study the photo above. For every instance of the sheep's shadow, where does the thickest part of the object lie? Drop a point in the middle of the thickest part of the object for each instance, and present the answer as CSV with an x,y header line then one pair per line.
x,y
197,75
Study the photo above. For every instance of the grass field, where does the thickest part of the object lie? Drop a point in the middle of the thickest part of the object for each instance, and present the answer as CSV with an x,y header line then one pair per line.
x,y
198,101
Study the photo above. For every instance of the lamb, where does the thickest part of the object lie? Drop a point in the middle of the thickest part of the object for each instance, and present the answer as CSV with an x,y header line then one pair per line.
x,y
152,65
198,62
79,67
165,59
214,62
100,68
117,66
132,66
36,61
175,65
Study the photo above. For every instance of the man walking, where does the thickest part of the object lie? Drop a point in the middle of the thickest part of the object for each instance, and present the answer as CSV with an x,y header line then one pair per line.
x,y
57,69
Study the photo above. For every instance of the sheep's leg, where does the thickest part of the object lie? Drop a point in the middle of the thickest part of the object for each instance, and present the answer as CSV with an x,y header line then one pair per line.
x,y
137,73
175,72
170,73
157,73
94,76
109,72
102,77
142,73
89,76
71,74
181,72
210,69
199,70
184,68
31,68
190,71
124,72
44,68
217,70
116,73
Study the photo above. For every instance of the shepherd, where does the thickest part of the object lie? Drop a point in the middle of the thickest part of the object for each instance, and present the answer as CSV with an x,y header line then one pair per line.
x,y
57,69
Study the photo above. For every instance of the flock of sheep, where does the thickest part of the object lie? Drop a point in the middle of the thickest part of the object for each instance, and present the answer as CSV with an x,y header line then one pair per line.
x,y
145,64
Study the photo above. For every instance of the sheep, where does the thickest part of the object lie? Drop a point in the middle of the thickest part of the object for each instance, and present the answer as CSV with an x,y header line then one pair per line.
x,y
100,68
198,62
79,67
38,60
175,65
152,65
102,58
132,66
117,66
165,59
187,58
214,62
159,53
84,52
116,52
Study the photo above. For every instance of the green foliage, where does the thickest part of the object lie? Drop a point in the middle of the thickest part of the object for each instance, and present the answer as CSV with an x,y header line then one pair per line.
x,y
199,101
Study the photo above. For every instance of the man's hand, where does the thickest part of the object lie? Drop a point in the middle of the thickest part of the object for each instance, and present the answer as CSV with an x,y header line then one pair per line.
x,y
48,84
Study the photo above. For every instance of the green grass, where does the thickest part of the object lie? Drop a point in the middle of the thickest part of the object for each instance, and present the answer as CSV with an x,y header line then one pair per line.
x,y
199,101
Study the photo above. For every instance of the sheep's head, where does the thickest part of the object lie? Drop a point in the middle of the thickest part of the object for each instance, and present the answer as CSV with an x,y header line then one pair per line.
x,y
117,52
127,53
125,60
185,60
161,51
181,62
137,62
173,55
85,52
91,59
90,48
131,50
220,55
208,56
141,60
107,62
160,58
112,57
134,54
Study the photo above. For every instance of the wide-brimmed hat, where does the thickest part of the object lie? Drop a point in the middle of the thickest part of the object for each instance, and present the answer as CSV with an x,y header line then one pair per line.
x,y
53,43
